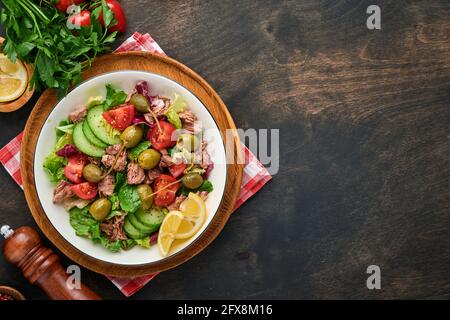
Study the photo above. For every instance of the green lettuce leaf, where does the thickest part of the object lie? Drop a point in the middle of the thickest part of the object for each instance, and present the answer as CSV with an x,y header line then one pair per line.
x,y
121,179
145,242
178,104
83,223
86,226
53,164
206,186
64,127
134,153
129,198
114,97
173,118
115,205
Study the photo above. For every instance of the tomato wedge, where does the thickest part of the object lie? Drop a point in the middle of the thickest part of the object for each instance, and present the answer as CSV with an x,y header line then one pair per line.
x,y
85,190
163,139
167,196
177,170
121,117
74,169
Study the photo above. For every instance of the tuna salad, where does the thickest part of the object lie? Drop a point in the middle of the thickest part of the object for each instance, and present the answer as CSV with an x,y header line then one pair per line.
x,y
123,162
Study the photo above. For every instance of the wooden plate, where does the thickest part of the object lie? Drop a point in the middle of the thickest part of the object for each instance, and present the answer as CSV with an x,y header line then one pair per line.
x,y
179,73
23,99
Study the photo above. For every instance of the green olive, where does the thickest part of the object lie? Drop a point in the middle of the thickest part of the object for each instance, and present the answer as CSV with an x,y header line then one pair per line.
x,y
145,193
131,136
192,180
149,159
92,173
140,102
188,142
100,208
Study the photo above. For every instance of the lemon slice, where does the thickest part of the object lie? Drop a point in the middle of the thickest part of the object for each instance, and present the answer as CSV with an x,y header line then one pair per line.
x,y
13,79
167,231
194,215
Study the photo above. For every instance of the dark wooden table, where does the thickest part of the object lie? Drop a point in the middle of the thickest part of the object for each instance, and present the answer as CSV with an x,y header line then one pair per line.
x,y
364,147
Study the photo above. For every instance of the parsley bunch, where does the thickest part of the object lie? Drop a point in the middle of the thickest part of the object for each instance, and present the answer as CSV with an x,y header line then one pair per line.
x,y
38,34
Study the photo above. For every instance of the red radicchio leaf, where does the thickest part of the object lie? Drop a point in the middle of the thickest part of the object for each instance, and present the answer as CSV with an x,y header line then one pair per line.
x,y
139,119
208,170
142,88
67,151
154,238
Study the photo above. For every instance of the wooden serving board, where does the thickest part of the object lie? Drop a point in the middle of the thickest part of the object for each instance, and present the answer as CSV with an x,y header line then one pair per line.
x,y
193,82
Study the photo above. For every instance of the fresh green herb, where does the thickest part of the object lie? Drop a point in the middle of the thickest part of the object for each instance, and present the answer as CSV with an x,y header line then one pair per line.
x,y
38,34
173,118
129,198
206,186
121,179
134,153
114,97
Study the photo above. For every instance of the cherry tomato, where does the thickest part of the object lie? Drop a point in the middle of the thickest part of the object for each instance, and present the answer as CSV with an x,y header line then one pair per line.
x,y
177,170
85,190
119,16
74,169
163,139
168,195
120,118
62,5
82,19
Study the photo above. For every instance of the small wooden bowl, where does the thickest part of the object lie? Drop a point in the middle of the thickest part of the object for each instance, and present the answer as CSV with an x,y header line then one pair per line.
x,y
16,295
23,99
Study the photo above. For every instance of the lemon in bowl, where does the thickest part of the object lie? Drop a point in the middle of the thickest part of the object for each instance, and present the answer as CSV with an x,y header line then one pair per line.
x,y
13,79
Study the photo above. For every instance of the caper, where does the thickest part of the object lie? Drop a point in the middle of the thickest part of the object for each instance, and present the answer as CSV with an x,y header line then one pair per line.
x,y
192,180
149,159
145,193
131,136
188,141
140,102
100,208
92,173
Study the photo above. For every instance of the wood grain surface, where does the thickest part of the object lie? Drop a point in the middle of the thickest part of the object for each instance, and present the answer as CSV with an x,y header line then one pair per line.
x,y
173,70
364,125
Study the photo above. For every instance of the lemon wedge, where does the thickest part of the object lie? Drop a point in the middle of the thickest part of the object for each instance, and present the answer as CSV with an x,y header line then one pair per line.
x,y
194,216
167,231
13,79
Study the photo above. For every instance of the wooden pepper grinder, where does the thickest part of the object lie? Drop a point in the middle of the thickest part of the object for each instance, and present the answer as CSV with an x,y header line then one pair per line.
x,y
40,265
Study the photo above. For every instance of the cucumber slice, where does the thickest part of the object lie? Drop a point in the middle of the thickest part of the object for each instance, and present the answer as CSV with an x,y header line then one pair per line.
x,y
91,136
150,218
140,226
131,231
102,129
83,144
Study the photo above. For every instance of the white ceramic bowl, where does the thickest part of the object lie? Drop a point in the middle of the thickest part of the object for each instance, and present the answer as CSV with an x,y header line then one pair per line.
x,y
79,96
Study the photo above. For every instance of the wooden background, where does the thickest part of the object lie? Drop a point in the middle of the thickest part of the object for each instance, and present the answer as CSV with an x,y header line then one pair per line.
x,y
364,125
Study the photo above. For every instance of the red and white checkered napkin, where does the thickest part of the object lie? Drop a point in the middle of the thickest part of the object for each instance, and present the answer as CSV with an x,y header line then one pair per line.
x,y
255,175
